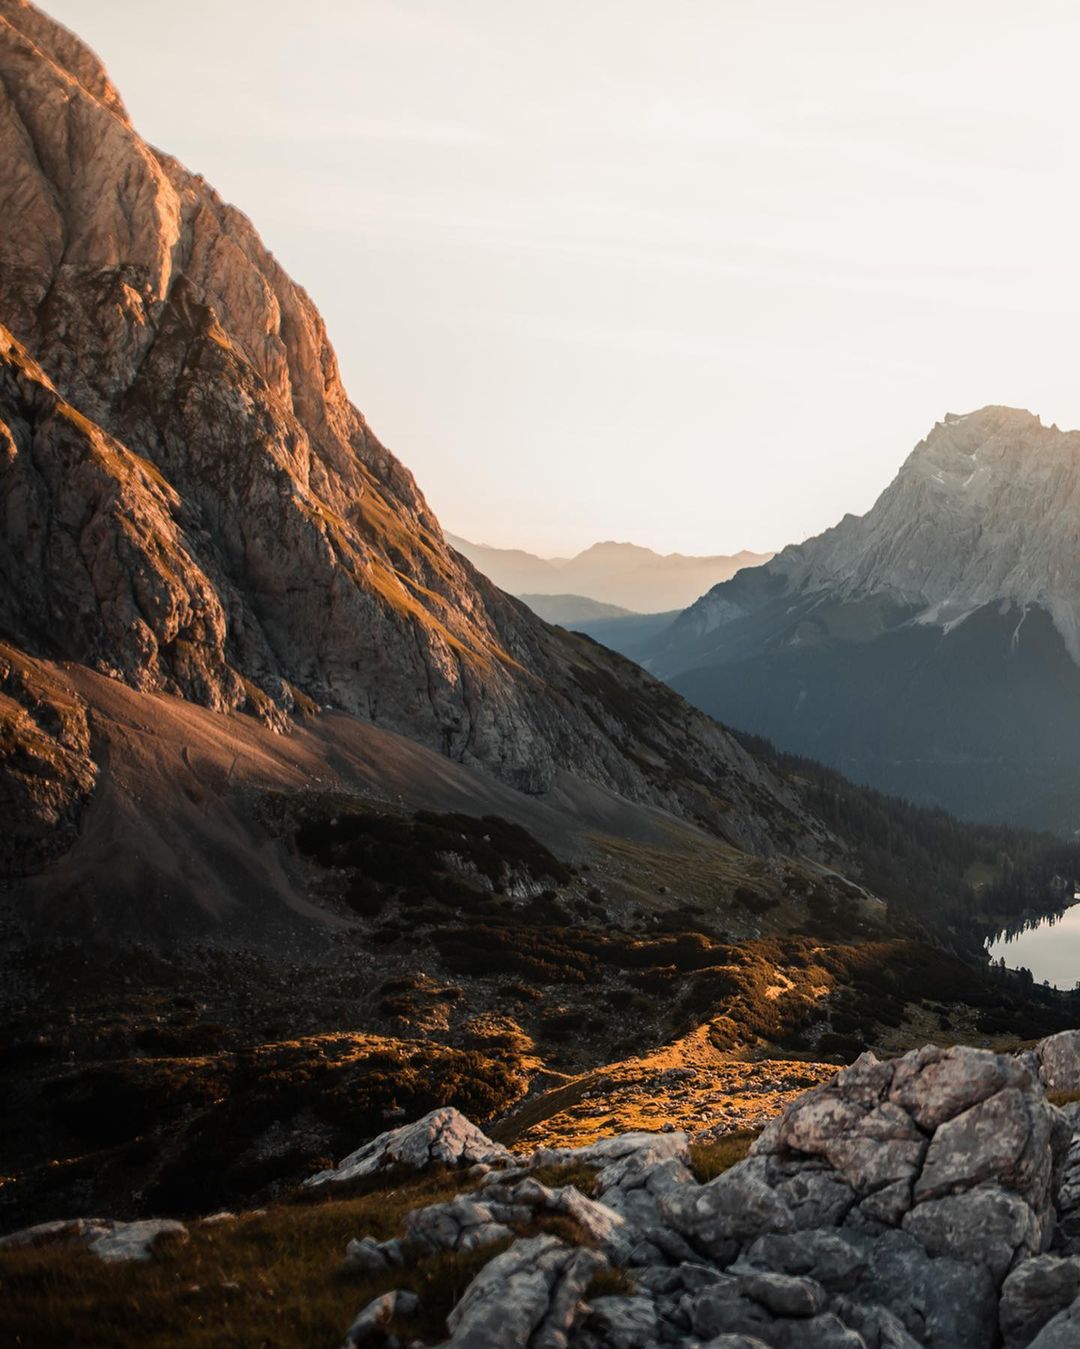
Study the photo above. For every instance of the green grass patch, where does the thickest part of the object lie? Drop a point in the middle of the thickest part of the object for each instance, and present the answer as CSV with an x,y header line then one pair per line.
x,y
712,1159
578,1174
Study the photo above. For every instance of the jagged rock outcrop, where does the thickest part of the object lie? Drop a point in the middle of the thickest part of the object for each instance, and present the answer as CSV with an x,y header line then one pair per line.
x,y
905,1203
931,646
190,502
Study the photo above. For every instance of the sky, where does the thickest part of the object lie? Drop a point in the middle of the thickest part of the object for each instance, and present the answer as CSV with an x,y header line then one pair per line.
x,y
695,275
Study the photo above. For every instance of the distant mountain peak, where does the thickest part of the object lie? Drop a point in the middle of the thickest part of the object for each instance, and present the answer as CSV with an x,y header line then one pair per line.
x,y
984,508
625,574
936,632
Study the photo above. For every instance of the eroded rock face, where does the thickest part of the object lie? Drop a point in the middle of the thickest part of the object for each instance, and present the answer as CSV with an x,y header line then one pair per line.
x,y
191,503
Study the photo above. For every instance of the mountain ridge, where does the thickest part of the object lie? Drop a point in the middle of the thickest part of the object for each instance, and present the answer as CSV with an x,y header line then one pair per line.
x,y
610,572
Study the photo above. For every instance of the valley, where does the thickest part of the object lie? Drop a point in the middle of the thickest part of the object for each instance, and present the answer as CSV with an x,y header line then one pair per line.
x,y
609,916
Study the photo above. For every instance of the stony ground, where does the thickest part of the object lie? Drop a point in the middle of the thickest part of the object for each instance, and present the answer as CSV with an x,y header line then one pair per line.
x,y
687,1085
930,1200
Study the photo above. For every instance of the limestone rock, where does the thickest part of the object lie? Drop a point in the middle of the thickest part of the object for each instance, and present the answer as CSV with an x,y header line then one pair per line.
x,y
372,1326
933,1084
136,1241
1062,1331
990,1225
783,1294
826,1257
1058,1057
943,1303
443,1136
530,1295
1033,1294
806,1243
103,1237
1005,1137
623,1322
718,1217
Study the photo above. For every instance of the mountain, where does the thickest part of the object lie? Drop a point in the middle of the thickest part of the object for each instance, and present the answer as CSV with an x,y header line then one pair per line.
x,y
629,634
929,647
307,826
623,574
193,506
572,610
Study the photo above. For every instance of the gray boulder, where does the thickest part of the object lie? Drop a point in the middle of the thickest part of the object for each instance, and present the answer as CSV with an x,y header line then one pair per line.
x,y
943,1303
623,1322
372,1325
783,1294
136,1241
1033,1294
1004,1139
1062,1331
103,1237
529,1296
988,1226
826,1257
1058,1057
879,1328
933,1085
624,1160
719,1217
869,1141
444,1136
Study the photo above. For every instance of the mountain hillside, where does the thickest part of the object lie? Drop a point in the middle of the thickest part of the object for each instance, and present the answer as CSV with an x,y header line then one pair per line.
x,y
623,574
192,505
569,610
308,828
929,647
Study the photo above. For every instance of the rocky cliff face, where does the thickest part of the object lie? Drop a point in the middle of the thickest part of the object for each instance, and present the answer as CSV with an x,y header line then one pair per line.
x,y
192,504
929,646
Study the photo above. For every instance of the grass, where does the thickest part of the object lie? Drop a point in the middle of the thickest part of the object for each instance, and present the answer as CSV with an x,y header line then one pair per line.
x,y
1063,1097
610,1282
558,1174
709,1160
271,1279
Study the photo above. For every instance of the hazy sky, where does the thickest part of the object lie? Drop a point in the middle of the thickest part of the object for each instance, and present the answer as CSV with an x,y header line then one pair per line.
x,y
693,274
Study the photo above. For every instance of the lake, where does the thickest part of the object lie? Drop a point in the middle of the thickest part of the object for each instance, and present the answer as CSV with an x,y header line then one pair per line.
x,y
1050,949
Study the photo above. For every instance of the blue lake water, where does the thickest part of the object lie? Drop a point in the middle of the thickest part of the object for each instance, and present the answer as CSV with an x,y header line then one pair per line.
x,y
1050,949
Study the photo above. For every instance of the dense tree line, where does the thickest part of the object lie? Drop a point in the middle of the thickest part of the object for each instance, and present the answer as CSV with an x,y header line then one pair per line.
x,y
926,861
